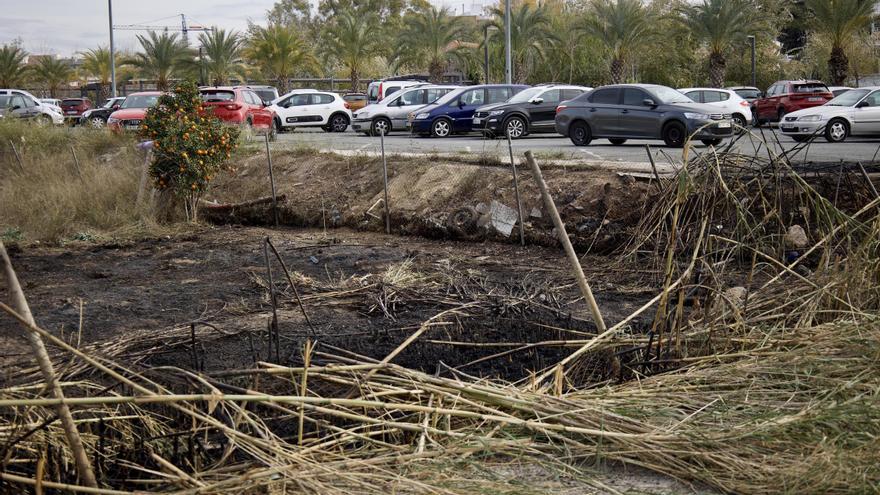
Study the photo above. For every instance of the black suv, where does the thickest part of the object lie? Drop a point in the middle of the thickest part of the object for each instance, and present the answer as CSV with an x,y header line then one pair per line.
x,y
530,111
97,117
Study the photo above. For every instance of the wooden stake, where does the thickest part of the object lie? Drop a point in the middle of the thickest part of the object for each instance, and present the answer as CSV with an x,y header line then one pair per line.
x,y
385,178
272,182
17,156
566,244
76,162
19,303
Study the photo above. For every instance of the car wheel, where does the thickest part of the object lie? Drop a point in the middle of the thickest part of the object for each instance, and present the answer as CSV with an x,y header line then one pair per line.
x,y
441,128
674,134
836,131
380,125
739,122
711,142
515,127
780,115
338,123
580,133
97,123
617,141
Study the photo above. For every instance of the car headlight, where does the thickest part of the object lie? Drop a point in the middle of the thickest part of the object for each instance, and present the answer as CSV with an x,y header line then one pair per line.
x,y
810,118
86,114
112,120
422,116
495,112
696,116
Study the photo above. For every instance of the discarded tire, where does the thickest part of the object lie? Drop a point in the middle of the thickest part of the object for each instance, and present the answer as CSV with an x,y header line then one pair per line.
x,y
463,221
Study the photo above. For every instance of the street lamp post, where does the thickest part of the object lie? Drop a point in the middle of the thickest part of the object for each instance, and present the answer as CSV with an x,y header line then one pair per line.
x,y
508,76
486,52
112,51
754,67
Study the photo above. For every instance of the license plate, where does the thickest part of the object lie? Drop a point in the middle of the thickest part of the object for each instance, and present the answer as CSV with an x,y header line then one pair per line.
x,y
477,121
788,128
815,98
724,125
132,127
71,112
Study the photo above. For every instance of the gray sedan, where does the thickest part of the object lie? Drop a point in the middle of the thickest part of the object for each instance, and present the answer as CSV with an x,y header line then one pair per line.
x,y
640,111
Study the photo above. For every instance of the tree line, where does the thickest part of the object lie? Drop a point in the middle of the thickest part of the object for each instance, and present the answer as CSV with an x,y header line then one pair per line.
x,y
591,42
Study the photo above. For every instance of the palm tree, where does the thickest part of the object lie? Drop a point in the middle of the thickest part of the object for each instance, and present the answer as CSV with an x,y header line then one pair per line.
x,y
164,56
354,41
719,24
623,26
96,63
530,36
839,20
53,73
12,67
430,38
222,55
279,53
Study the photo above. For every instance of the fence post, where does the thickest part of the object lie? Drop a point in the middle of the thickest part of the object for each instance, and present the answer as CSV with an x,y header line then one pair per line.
x,y
385,178
522,228
144,173
17,156
76,163
272,182
566,244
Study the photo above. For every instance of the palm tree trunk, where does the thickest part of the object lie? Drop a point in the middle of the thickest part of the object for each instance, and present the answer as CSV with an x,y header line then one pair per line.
x,y
717,69
838,66
617,70
436,68
355,79
20,305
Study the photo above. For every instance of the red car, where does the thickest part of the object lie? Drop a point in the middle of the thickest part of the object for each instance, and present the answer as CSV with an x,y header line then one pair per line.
x,y
131,114
787,96
238,105
73,108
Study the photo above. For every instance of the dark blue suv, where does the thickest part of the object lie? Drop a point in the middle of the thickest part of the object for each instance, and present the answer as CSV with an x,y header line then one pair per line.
x,y
454,112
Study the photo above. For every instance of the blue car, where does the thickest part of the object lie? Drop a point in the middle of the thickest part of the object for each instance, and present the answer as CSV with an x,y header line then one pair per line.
x,y
454,112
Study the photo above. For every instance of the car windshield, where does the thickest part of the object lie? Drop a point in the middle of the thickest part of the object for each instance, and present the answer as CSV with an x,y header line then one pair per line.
x,y
668,95
848,99
265,94
215,95
140,101
748,93
72,102
526,95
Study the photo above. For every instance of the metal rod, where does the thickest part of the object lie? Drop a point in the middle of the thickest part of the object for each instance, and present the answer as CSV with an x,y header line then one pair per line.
x,y
385,178
868,180
76,162
653,167
508,77
273,322
112,51
521,219
272,181
17,156
566,244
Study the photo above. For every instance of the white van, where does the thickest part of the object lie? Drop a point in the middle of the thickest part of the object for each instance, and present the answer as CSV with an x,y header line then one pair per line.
x,y
378,90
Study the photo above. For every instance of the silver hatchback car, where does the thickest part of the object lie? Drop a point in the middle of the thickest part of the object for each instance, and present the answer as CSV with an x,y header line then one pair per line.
x,y
391,113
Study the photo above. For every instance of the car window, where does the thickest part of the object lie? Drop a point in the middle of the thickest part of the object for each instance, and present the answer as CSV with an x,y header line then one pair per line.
x,y
570,94
299,100
323,99
415,97
497,95
373,92
695,95
634,97
473,97
873,99
552,96
711,96
605,96
748,93
17,101
434,94
391,89
810,88
213,95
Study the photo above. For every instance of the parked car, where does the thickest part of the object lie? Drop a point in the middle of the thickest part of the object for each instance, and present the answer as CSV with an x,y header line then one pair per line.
x,y
355,101
266,93
391,114
239,105
853,113
73,108
729,101
789,96
378,90
530,111
97,117
53,103
20,104
640,111
311,108
131,113
454,112
748,93
838,90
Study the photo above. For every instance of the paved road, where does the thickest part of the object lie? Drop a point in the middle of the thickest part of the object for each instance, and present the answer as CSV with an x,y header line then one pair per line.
x,y
557,147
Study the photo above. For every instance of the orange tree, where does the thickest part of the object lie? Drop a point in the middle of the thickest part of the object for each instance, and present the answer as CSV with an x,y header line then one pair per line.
x,y
190,145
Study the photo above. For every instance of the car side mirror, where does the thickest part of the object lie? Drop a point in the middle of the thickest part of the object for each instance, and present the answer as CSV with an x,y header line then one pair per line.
x,y
114,107
537,101
461,104
648,102
16,107
863,104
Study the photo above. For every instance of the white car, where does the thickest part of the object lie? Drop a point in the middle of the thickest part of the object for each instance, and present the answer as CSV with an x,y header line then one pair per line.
x,y
52,103
311,108
732,103
21,104
853,113
838,90
391,113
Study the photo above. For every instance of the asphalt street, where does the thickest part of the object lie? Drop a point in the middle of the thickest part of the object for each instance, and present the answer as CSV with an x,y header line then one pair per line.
x,y
555,146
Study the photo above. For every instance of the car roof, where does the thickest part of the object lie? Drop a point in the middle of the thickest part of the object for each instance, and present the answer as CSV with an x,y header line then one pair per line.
x,y
734,88
146,93
706,89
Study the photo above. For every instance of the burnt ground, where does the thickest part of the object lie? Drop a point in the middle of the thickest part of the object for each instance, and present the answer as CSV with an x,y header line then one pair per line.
x,y
364,292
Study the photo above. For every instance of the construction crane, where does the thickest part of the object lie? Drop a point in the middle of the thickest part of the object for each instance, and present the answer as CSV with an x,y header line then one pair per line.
x,y
184,28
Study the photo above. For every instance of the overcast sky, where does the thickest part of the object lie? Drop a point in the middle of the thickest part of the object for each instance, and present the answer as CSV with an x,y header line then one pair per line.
x,y
68,26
